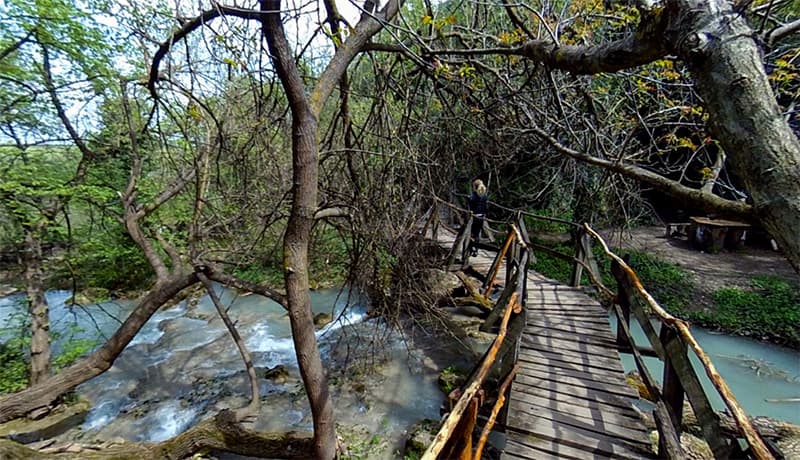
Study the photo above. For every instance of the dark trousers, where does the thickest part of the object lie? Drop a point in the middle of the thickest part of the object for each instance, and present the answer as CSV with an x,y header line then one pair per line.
x,y
475,233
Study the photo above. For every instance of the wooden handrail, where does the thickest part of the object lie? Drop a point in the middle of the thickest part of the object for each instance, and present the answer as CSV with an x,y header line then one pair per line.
x,y
501,400
500,255
754,440
454,417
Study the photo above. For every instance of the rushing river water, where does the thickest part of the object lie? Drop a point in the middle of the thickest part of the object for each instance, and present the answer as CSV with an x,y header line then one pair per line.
x,y
183,367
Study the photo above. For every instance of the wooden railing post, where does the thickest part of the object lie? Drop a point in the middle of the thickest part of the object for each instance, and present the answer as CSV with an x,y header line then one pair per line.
x,y
672,389
577,268
624,300
458,244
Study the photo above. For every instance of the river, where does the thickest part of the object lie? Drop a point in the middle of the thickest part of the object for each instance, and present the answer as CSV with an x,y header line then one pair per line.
x,y
762,376
183,367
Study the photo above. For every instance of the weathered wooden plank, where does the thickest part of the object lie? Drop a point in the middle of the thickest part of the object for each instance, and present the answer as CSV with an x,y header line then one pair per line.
x,y
569,336
531,376
579,311
574,359
564,343
579,396
599,324
597,426
600,375
541,448
576,437
583,409
600,318
565,329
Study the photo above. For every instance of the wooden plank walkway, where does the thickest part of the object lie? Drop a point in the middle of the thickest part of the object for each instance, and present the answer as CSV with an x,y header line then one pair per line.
x,y
569,398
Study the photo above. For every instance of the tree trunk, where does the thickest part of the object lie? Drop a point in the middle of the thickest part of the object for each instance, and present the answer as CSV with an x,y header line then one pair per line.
x,y
221,432
298,232
42,394
38,309
718,46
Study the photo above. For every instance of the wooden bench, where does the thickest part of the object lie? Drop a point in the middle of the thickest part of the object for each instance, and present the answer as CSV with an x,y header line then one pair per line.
x,y
712,235
677,229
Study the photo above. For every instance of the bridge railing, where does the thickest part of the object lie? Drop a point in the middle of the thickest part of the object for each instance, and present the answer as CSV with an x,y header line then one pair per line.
x,y
454,439
670,344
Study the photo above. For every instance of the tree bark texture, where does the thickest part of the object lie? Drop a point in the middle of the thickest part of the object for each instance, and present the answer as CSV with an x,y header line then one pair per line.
x,y
38,309
718,46
221,432
46,391
298,232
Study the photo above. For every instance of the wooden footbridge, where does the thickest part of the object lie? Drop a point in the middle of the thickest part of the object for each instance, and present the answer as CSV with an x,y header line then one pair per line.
x,y
562,391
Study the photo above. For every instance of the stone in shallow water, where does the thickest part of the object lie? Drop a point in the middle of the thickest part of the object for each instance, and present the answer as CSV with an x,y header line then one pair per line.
x,y
278,374
420,436
322,319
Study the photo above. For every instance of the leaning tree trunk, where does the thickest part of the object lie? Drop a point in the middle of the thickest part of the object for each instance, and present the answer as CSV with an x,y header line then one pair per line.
x,y
298,232
718,46
42,394
37,308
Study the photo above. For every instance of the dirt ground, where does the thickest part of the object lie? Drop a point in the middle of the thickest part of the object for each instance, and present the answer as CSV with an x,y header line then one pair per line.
x,y
710,271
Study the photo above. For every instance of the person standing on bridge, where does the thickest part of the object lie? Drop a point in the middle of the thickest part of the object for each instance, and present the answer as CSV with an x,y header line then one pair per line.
x,y
478,202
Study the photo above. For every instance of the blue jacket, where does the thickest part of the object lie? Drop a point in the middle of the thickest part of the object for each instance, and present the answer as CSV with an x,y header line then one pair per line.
x,y
478,203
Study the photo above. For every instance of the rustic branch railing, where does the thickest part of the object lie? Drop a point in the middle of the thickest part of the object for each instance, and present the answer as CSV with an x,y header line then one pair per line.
x,y
454,439
671,345
680,379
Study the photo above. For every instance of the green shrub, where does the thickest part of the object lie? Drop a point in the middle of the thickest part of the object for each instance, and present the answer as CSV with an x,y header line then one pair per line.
x,y
769,309
15,368
668,283
552,266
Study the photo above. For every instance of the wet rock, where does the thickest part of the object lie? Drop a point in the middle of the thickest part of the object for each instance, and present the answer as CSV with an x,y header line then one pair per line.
x,y
439,283
420,436
322,319
60,420
277,374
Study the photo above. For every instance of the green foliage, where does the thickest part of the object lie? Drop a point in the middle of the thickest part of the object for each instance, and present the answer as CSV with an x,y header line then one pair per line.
x,y
108,259
14,358
329,256
73,350
259,273
361,445
769,309
668,283
15,368
555,267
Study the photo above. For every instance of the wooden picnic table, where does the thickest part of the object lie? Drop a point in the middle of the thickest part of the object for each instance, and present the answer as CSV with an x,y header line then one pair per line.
x,y
712,235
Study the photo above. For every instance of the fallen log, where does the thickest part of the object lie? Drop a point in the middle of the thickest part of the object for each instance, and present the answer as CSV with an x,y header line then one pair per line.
x,y
221,433
475,296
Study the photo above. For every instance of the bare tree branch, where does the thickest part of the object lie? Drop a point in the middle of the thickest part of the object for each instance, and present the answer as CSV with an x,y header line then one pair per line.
x,y
781,32
705,201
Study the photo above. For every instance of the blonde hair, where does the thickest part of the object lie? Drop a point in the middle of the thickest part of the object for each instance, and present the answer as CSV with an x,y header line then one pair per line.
x,y
478,186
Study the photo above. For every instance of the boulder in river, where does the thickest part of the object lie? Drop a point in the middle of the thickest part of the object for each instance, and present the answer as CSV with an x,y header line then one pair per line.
x,y
420,436
322,319
278,374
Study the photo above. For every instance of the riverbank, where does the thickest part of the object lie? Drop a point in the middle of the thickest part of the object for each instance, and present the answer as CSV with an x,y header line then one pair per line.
x,y
752,291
